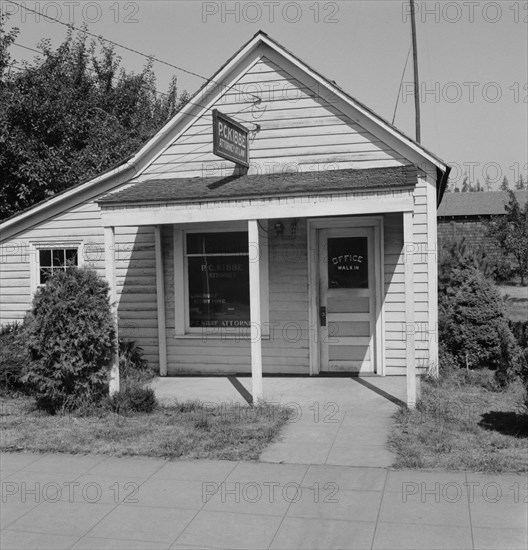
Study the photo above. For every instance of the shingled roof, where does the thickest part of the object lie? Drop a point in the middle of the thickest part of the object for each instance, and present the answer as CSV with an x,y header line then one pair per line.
x,y
488,203
273,185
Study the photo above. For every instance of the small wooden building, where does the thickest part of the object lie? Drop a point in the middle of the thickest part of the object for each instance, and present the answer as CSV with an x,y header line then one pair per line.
x,y
464,215
317,255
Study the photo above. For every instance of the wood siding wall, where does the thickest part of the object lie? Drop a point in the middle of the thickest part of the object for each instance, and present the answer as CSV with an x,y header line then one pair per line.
x,y
473,230
287,348
396,252
299,131
135,269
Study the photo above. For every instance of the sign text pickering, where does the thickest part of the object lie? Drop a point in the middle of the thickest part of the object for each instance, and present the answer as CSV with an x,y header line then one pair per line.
x,y
230,139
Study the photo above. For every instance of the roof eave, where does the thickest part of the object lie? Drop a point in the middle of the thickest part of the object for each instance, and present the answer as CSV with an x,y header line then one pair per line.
x,y
8,227
264,196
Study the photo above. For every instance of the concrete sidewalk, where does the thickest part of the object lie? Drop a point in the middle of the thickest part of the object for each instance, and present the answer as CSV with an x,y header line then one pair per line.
x,y
64,501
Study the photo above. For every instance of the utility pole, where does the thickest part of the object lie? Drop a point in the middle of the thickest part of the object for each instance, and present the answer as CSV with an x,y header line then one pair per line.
x,y
416,79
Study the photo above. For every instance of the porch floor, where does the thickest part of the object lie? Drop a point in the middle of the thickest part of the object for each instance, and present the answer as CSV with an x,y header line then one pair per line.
x,y
339,421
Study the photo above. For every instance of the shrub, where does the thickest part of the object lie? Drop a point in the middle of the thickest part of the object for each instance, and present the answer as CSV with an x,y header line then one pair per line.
x,y
133,367
472,322
447,363
511,233
503,267
457,252
14,358
133,398
520,331
71,340
483,378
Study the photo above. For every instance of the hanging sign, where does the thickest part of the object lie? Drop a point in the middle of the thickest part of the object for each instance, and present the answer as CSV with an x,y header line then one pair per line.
x,y
230,139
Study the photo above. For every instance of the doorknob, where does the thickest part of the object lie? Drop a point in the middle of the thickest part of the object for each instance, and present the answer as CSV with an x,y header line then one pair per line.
x,y
322,316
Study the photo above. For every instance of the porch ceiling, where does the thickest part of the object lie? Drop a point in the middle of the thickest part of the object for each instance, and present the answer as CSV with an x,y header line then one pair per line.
x,y
260,186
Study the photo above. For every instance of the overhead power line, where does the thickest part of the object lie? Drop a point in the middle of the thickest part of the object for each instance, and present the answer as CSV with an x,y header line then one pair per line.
x,y
100,37
114,77
26,47
109,41
401,84
258,99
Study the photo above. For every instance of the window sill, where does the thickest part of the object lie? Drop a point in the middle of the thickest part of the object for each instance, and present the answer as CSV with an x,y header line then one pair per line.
x,y
212,336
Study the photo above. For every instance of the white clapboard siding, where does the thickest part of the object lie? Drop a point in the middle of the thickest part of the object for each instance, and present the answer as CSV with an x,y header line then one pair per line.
x,y
394,291
298,127
84,225
135,268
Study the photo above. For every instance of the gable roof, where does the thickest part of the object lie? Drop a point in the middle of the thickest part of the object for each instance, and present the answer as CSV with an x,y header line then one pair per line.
x,y
487,203
210,90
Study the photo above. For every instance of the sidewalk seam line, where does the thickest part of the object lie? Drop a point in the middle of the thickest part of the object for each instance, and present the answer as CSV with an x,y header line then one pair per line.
x,y
116,504
469,513
379,510
202,507
287,510
37,504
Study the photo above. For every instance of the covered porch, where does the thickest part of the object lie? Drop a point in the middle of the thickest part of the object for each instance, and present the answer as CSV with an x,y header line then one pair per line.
x,y
341,208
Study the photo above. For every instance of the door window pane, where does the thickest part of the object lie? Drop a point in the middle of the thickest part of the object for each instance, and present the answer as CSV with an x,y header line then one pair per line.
x,y
348,262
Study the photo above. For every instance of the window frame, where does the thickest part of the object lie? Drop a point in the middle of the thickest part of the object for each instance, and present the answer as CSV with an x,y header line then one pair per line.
x,y
182,328
37,246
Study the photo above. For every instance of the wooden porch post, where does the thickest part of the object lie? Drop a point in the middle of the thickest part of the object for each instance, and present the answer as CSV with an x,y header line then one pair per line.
x,y
160,296
254,307
110,270
408,243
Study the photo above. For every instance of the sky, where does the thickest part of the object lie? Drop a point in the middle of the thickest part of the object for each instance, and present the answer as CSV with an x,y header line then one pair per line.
x,y
473,59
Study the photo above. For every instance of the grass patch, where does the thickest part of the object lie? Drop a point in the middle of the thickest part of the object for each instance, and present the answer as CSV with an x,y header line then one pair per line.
x,y
461,423
182,430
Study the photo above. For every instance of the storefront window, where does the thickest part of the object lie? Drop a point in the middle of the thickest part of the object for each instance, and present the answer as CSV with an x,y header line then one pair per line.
x,y
218,279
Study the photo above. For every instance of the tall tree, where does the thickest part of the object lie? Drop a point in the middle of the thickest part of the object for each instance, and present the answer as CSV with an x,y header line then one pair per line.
x,y
71,114
505,185
465,185
6,39
511,233
521,184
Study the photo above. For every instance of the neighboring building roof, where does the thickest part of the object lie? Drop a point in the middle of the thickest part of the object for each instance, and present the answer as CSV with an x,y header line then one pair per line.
x,y
224,188
215,86
485,203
